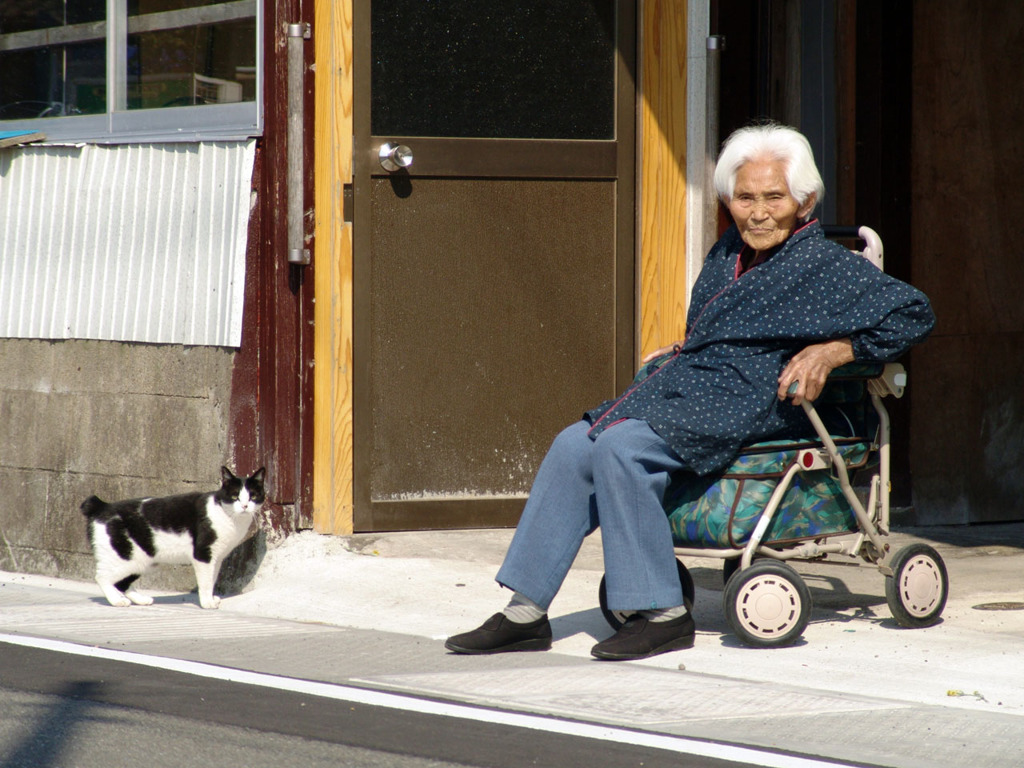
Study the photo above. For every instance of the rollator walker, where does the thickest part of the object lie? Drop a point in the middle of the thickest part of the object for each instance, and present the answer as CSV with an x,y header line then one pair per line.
x,y
797,500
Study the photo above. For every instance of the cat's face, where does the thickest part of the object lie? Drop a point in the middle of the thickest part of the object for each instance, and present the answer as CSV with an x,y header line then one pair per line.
x,y
241,496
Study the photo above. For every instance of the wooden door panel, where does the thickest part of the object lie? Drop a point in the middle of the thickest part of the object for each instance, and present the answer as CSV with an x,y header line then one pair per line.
x,y
492,308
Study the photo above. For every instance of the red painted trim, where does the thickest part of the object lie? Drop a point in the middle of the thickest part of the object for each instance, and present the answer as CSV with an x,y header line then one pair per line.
x,y
271,410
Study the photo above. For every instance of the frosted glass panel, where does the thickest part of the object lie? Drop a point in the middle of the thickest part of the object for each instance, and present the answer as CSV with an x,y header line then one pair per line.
x,y
527,69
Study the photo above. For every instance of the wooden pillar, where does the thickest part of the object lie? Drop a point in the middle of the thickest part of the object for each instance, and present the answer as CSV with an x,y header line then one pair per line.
x,y
662,183
332,408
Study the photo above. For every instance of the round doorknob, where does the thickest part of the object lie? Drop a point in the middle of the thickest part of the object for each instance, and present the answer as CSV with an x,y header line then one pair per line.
x,y
394,157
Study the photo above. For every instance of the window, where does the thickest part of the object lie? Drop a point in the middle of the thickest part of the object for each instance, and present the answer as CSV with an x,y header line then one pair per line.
x,y
131,70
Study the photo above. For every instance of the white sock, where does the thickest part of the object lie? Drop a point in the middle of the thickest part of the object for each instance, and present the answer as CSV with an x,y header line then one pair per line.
x,y
522,610
659,615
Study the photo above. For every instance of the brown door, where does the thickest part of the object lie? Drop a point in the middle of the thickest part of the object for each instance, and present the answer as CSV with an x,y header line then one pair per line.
x,y
494,253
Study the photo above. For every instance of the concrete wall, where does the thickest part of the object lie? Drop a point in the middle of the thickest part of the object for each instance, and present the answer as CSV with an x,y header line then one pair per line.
x,y
118,420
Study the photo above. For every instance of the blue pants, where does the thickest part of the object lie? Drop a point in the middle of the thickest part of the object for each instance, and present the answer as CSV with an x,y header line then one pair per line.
x,y
617,482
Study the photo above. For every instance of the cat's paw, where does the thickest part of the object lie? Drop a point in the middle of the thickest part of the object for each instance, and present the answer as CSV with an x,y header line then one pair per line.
x,y
209,603
119,602
139,599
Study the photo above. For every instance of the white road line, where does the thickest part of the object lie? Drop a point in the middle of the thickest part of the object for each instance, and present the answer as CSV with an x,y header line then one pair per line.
x,y
679,744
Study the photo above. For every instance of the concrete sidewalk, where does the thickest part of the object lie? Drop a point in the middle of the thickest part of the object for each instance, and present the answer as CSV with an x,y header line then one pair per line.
x,y
373,610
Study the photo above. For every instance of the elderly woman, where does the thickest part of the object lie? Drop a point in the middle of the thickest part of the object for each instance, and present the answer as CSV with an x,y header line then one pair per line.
x,y
776,303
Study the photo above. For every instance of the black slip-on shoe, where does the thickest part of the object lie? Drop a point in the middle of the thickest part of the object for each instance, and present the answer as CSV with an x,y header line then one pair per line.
x,y
639,638
499,634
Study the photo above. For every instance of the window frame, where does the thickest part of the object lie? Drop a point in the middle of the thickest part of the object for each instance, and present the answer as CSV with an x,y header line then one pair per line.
x,y
119,125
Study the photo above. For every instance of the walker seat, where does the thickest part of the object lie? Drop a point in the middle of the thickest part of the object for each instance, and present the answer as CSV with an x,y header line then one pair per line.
x,y
723,510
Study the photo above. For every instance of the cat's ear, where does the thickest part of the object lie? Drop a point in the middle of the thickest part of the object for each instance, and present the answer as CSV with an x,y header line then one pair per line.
x,y
226,475
259,475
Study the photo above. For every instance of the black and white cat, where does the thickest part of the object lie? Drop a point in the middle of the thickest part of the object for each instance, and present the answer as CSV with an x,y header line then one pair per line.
x,y
129,537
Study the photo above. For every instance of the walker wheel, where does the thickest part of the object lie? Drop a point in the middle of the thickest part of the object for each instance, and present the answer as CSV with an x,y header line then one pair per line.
x,y
918,588
617,618
768,605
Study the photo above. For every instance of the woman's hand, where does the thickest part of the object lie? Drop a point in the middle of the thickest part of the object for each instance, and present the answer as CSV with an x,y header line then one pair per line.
x,y
659,352
810,368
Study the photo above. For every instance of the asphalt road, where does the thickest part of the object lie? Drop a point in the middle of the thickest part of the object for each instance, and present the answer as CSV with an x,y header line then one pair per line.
x,y
61,711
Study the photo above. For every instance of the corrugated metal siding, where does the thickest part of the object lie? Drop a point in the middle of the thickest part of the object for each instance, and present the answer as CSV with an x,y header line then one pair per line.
x,y
127,243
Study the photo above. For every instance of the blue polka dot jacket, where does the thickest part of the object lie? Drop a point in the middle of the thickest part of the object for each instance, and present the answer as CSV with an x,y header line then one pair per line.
x,y
718,391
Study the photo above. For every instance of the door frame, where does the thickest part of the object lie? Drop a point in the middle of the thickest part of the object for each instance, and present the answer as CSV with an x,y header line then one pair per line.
x,y
669,189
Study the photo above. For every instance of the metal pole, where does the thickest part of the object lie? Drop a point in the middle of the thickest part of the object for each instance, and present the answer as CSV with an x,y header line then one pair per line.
x,y
715,46
298,253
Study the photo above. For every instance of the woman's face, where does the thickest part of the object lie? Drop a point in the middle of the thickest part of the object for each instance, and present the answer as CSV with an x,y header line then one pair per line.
x,y
762,206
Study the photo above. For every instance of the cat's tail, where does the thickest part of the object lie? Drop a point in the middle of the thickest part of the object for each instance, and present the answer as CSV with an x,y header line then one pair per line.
x,y
93,507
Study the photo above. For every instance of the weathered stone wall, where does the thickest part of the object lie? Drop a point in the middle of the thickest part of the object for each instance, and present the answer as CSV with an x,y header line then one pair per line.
x,y
118,420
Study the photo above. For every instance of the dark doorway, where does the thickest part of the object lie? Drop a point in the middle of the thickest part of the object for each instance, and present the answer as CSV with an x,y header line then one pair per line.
x,y
840,72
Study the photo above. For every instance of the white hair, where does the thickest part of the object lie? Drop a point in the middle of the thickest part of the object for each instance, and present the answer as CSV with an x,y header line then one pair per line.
x,y
776,142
